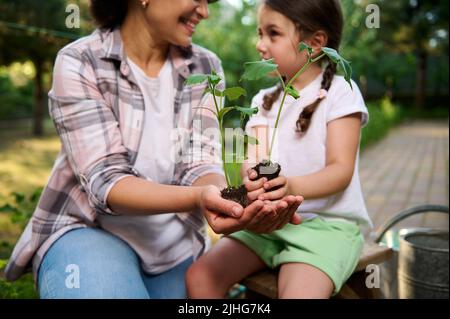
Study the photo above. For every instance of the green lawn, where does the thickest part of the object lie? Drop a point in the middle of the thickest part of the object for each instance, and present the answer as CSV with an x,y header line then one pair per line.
x,y
25,165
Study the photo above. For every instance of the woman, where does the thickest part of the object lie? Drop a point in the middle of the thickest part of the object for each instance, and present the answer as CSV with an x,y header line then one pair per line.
x,y
122,213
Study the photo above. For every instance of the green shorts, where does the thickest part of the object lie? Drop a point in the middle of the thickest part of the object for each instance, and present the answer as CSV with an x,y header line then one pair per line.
x,y
334,247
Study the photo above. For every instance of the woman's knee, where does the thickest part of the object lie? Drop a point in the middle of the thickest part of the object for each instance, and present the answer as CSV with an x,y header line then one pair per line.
x,y
90,263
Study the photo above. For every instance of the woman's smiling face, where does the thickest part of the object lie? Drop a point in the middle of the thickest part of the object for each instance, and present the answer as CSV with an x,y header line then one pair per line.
x,y
175,21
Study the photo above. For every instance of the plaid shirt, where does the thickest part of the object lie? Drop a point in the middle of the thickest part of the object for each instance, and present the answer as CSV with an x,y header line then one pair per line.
x,y
98,111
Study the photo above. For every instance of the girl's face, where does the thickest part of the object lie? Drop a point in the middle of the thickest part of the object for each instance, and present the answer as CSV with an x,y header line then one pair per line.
x,y
279,39
175,21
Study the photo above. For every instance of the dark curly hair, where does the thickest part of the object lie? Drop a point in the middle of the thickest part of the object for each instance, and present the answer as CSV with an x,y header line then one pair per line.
x,y
111,13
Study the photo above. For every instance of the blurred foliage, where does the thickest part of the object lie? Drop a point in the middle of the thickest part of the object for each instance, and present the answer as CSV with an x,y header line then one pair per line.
x,y
20,211
386,61
34,31
22,207
231,33
407,57
15,101
383,115
22,288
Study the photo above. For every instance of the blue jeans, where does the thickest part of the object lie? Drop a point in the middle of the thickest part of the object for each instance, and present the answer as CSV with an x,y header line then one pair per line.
x,y
90,263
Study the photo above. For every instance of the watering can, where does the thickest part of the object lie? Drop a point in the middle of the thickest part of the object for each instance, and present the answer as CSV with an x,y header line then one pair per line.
x,y
419,268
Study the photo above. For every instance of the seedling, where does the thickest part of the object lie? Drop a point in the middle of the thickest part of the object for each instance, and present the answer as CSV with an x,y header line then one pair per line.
x,y
232,160
257,70
234,156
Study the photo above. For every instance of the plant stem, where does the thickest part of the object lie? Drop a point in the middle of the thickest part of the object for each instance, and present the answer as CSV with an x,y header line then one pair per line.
x,y
213,92
281,80
291,81
222,136
222,132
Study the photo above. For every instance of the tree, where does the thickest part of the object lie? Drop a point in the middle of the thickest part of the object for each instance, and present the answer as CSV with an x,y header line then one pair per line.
x,y
34,30
419,27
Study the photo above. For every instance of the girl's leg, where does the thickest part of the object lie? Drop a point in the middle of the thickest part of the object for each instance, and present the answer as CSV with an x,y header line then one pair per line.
x,y
303,281
90,263
224,265
170,284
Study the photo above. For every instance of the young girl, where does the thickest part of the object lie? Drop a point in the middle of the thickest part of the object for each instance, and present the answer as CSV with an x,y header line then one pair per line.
x,y
317,148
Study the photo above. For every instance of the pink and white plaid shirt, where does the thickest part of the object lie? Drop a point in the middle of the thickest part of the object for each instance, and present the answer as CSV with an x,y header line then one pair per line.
x,y
98,111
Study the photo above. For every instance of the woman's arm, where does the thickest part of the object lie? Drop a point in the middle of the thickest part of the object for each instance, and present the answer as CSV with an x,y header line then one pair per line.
x,y
342,145
136,196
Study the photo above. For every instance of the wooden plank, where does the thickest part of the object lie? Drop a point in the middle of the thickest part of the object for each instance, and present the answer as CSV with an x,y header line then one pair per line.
x,y
265,282
373,254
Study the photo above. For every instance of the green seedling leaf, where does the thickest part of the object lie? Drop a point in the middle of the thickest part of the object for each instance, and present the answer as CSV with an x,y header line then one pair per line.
x,y
214,79
196,79
205,108
292,91
234,93
303,46
217,93
341,62
223,112
258,69
347,69
247,110
332,54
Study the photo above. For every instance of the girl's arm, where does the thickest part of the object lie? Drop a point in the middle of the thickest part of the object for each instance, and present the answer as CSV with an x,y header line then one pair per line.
x,y
343,136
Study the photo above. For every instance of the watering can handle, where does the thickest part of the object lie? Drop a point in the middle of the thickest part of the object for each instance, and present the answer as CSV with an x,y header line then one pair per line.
x,y
405,214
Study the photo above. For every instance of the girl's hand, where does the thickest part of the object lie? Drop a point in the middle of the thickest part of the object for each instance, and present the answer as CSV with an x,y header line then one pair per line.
x,y
262,189
275,189
254,188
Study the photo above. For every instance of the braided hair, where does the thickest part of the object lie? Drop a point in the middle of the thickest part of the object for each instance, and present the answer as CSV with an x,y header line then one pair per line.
x,y
304,120
310,16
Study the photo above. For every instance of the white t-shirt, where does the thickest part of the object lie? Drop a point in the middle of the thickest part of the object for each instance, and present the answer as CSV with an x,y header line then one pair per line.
x,y
161,241
303,155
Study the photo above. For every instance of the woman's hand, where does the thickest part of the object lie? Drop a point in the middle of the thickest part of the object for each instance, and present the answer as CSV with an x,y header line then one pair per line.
x,y
226,216
218,212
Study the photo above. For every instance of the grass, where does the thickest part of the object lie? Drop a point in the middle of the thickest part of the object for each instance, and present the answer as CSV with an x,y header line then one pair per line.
x,y
25,165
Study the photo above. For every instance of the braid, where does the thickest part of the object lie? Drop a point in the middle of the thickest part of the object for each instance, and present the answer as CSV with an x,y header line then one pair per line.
x,y
270,98
304,119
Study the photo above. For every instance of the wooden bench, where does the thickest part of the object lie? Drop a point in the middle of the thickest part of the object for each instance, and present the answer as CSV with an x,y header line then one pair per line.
x,y
264,283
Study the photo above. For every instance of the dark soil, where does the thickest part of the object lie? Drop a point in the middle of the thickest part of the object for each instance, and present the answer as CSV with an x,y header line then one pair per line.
x,y
268,170
238,195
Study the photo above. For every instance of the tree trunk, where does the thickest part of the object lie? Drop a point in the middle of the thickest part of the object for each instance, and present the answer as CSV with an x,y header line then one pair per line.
x,y
38,123
421,79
